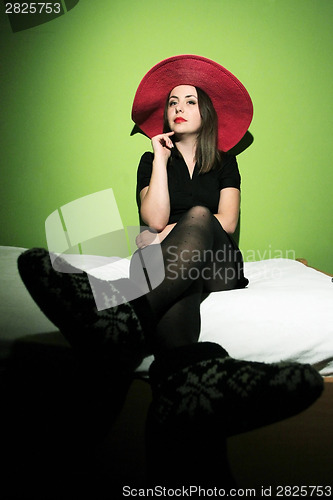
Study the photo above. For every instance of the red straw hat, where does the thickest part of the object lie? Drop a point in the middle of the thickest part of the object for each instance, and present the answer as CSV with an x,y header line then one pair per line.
x,y
229,97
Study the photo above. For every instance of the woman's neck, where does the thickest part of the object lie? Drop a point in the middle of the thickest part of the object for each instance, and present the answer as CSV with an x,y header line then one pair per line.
x,y
187,148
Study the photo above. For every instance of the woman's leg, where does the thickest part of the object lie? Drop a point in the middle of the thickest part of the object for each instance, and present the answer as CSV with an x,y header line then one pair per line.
x,y
183,253
199,257
183,452
176,301
181,323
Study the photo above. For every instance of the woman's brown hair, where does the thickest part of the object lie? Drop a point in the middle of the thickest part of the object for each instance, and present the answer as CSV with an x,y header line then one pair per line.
x,y
207,154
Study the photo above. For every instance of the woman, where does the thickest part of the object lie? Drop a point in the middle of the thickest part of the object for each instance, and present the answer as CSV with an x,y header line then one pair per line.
x,y
187,177
188,192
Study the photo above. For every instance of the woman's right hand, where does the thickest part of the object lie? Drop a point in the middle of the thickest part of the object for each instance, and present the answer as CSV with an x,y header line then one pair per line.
x,y
162,145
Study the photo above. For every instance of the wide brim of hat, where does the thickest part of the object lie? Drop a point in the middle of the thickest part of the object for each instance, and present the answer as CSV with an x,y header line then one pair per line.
x,y
230,98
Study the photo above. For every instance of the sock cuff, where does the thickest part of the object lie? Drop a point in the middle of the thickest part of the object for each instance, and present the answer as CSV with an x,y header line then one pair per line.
x,y
173,360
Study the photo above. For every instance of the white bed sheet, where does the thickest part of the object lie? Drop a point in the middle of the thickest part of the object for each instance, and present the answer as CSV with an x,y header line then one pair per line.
x,y
285,313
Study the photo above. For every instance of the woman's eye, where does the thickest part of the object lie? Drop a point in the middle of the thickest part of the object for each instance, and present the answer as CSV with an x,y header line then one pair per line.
x,y
191,102
172,103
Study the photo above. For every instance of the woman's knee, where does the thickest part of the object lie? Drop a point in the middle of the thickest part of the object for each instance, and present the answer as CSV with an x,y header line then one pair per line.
x,y
199,211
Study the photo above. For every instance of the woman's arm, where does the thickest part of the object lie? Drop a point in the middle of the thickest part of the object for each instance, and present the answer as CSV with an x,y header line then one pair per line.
x,y
146,237
228,209
228,213
155,200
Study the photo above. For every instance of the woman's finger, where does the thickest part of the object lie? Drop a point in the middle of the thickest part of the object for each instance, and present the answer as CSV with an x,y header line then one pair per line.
x,y
165,138
139,242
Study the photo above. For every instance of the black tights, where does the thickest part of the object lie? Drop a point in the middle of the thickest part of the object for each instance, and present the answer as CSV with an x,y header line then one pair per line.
x,y
199,258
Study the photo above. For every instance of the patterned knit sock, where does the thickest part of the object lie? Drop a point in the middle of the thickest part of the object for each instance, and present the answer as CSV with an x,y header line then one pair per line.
x,y
116,334
200,382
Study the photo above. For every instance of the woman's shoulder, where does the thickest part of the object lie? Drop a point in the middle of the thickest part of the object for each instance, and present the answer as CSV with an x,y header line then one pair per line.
x,y
146,161
145,165
147,156
228,172
227,163
227,159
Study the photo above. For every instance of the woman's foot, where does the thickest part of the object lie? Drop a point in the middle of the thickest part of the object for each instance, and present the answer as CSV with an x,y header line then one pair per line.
x,y
66,298
201,382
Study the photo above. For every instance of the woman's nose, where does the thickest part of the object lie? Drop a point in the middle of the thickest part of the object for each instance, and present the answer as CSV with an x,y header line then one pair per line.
x,y
179,108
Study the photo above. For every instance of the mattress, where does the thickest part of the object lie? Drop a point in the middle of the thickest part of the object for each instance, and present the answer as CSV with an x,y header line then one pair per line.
x,y
285,313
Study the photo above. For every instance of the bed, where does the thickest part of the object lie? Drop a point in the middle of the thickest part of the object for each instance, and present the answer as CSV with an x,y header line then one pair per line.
x,y
285,314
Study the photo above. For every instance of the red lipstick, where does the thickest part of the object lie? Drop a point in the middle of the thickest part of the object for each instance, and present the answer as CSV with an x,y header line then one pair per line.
x,y
179,120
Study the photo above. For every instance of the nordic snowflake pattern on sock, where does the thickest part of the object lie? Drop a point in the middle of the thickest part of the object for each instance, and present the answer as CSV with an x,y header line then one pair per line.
x,y
66,298
244,394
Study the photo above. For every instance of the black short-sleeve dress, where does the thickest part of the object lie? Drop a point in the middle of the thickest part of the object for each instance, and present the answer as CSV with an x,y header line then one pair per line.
x,y
202,189
186,192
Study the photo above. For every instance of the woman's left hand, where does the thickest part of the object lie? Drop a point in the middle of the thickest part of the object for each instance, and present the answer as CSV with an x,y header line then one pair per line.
x,y
146,238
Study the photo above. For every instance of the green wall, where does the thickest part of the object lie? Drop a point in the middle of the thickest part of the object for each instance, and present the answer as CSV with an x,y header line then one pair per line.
x,y
67,88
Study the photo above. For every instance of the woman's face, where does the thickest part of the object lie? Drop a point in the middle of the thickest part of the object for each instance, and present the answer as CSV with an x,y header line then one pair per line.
x,y
183,110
